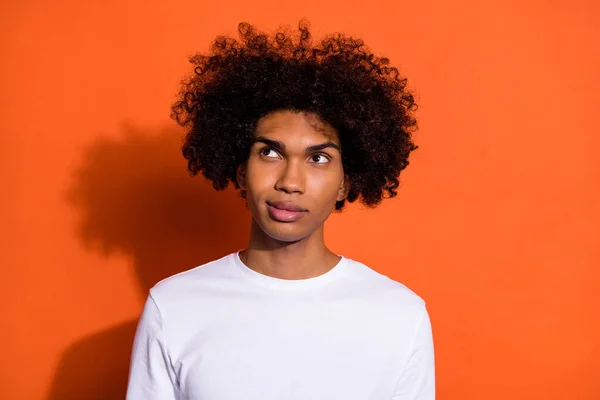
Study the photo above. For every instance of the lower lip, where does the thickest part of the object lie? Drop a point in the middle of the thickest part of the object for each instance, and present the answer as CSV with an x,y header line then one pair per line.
x,y
285,215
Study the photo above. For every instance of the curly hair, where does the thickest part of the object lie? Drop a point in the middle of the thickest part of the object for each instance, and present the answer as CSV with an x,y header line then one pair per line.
x,y
339,80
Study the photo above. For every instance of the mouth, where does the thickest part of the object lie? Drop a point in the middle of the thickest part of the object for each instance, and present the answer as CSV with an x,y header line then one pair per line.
x,y
285,212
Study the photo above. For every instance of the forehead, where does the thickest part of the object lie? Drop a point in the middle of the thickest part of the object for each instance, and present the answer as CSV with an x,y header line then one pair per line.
x,y
293,125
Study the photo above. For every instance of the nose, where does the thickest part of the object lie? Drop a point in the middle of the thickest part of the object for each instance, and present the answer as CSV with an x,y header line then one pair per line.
x,y
291,178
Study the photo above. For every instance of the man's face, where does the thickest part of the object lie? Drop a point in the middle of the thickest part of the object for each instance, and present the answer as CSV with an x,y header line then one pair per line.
x,y
293,176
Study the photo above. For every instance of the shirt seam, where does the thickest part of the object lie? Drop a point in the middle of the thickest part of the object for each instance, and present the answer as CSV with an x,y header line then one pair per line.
x,y
410,348
164,337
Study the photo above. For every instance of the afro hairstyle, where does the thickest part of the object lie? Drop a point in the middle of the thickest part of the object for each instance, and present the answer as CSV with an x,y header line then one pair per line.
x,y
339,80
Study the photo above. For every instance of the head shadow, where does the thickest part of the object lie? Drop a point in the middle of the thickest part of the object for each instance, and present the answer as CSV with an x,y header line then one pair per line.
x,y
134,196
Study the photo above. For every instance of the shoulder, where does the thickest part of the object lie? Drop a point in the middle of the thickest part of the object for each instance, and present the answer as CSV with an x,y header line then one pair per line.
x,y
385,302
384,288
201,279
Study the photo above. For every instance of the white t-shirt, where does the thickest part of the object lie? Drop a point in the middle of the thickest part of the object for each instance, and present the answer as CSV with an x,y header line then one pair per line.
x,y
223,331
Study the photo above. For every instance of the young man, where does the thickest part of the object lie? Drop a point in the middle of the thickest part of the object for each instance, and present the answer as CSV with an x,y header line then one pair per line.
x,y
300,130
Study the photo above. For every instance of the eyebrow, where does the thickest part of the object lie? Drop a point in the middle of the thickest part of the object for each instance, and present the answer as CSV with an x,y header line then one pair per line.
x,y
277,145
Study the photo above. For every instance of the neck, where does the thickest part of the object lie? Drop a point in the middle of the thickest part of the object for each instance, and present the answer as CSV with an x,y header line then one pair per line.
x,y
303,259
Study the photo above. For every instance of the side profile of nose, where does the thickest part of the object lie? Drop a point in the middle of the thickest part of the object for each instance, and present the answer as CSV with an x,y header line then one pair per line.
x,y
291,177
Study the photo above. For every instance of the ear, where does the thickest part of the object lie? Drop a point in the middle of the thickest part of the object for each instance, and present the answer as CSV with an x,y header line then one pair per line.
x,y
344,188
241,176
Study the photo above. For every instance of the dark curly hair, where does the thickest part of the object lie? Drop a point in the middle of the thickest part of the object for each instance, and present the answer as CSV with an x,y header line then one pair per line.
x,y
339,80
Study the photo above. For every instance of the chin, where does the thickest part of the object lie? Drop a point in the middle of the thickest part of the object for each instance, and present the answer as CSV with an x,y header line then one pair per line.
x,y
286,235
284,232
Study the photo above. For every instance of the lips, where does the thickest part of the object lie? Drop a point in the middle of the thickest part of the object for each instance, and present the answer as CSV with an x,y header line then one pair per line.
x,y
286,205
285,211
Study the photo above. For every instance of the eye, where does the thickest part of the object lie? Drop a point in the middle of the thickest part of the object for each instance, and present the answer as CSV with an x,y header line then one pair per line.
x,y
268,152
319,158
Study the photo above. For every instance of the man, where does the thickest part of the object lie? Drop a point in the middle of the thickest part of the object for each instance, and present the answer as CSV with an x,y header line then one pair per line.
x,y
300,130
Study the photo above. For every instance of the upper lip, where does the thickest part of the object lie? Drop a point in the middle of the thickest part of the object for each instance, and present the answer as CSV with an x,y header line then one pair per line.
x,y
285,205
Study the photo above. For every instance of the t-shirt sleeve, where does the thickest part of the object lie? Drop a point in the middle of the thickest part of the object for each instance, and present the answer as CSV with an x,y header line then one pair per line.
x,y
151,375
417,381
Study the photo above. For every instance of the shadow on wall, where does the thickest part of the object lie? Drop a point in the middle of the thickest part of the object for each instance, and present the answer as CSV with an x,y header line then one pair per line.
x,y
135,197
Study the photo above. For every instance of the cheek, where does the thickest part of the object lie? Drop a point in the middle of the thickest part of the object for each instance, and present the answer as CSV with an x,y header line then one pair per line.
x,y
324,187
259,178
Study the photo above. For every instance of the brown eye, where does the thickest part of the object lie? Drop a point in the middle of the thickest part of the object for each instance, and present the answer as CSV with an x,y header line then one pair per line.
x,y
266,152
319,158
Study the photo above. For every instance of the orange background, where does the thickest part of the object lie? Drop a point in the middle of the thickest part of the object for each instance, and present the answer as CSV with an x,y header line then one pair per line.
x,y
496,224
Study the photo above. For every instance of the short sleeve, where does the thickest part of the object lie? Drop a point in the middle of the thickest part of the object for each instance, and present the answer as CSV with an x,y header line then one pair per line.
x,y
151,375
417,381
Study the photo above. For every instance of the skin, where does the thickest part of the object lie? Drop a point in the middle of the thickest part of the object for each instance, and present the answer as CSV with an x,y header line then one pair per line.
x,y
283,167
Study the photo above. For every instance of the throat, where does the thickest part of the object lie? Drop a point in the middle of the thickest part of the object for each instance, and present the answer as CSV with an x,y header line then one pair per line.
x,y
289,265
